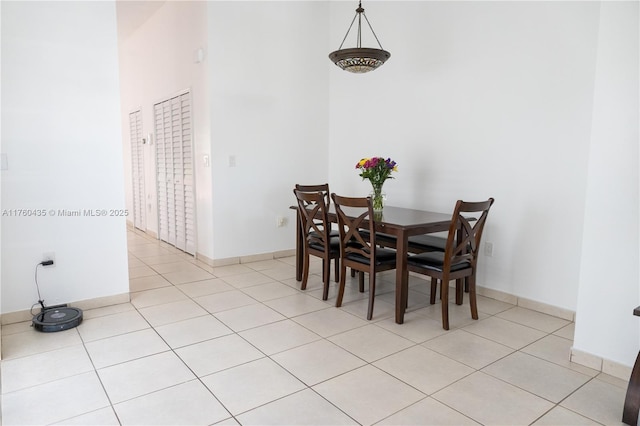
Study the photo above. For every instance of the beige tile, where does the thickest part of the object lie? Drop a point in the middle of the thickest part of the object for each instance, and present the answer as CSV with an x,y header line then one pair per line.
x,y
360,307
141,271
270,291
428,412
219,302
488,400
188,403
612,380
158,296
33,370
281,272
111,325
505,332
101,417
371,342
162,259
107,310
567,331
368,394
204,287
533,319
330,321
251,385
187,276
218,354
317,361
599,401
247,279
416,327
261,265
226,271
193,330
490,306
467,348
147,283
125,347
540,377
279,336
180,265
301,408
423,369
45,404
34,342
249,316
557,349
562,416
459,315
172,312
298,304
17,327
139,377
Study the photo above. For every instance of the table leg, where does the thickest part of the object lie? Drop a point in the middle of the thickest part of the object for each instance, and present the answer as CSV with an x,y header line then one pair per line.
x,y
299,257
402,276
632,400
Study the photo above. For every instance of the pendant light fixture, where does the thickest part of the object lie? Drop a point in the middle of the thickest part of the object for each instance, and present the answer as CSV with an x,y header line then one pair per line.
x,y
359,59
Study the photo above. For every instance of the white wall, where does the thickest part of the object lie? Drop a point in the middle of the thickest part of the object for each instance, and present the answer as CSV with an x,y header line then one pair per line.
x,y
61,134
269,108
156,62
478,100
609,276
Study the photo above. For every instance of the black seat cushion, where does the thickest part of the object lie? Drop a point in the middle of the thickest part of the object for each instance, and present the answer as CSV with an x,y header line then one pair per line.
x,y
434,260
427,242
334,244
382,239
383,256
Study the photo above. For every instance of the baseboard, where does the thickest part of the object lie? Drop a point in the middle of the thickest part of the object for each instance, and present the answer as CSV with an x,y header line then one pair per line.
x,y
603,365
98,302
244,259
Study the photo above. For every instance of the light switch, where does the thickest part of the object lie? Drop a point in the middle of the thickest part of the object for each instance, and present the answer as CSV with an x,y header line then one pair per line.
x,y
4,164
205,160
232,161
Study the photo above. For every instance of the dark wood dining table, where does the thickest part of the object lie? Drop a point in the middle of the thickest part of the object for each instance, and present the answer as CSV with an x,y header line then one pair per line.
x,y
402,223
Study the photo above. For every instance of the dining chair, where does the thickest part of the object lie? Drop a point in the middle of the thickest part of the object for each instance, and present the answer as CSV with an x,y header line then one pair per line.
x,y
358,249
315,228
459,258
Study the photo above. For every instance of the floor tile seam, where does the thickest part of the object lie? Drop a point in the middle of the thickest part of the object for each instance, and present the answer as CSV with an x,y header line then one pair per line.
x,y
560,403
528,391
58,379
528,326
434,399
4,360
289,395
331,335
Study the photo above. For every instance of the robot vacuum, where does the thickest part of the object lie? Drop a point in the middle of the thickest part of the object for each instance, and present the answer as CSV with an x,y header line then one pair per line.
x,y
57,318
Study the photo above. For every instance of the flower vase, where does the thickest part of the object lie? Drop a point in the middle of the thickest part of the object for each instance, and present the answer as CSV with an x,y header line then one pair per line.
x,y
377,197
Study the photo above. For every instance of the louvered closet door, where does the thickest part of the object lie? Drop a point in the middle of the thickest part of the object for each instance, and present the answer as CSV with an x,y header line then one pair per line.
x,y
137,170
174,158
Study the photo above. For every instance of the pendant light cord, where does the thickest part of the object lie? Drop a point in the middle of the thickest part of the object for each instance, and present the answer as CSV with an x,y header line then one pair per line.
x,y
359,13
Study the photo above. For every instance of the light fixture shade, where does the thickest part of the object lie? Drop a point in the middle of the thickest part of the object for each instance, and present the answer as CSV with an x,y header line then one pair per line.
x,y
359,59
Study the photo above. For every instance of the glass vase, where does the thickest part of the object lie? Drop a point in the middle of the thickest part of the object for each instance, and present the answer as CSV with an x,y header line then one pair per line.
x,y
377,197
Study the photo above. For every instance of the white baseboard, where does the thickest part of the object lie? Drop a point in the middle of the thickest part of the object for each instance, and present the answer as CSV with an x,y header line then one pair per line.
x,y
98,302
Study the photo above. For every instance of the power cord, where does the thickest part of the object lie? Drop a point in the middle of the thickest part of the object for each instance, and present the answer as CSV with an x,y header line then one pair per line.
x,y
40,300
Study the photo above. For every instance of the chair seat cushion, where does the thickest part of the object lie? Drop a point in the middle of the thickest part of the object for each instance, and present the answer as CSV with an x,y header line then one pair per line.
x,y
381,238
334,244
383,256
434,260
427,242
333,233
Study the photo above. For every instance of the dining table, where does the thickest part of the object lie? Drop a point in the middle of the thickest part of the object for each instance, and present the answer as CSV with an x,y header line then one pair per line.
x,y
402,223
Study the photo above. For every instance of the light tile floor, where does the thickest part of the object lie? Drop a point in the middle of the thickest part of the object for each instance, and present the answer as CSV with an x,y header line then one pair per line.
x,y
242,344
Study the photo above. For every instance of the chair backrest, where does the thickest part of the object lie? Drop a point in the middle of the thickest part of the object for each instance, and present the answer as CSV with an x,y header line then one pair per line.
x,y
313,217
465,231
324,188
355,215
